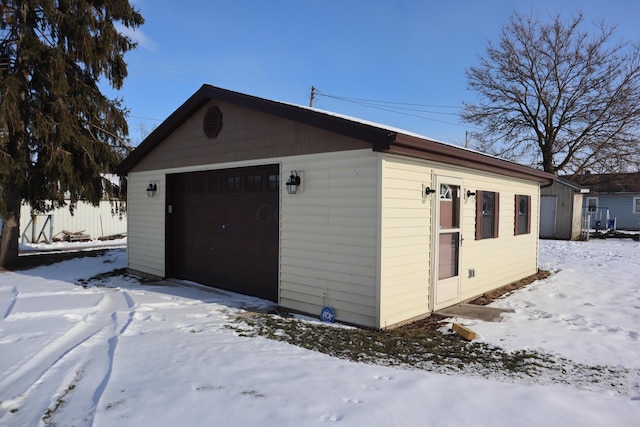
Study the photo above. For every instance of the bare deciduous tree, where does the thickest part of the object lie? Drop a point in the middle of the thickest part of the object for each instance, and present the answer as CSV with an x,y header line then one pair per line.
x,y
556,96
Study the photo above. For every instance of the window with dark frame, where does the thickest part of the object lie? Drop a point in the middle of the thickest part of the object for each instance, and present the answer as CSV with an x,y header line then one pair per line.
x,y
522,214
253,183
216,184
487,214
234,184
273,182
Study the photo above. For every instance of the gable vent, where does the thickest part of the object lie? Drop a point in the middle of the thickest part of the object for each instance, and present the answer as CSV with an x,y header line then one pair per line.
x,y
212,122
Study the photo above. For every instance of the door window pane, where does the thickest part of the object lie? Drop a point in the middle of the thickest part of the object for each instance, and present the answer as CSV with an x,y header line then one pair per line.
x,y
448,253
449,206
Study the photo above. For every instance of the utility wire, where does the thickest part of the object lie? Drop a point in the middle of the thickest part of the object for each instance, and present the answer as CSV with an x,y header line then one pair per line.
x,y
344,98
146,118
171,72
390,106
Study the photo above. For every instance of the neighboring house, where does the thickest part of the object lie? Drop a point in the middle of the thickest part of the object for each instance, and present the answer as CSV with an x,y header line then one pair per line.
x,y
561,210
384,226
613,201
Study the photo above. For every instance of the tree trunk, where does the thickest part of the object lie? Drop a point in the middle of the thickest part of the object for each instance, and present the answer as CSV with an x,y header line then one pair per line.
x,y
10,230
547,162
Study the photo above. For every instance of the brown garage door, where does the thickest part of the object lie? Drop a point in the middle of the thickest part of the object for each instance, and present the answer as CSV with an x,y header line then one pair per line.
x,y
222,229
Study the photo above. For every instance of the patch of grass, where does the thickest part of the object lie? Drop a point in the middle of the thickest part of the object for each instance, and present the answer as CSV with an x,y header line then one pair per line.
x,y
253,393
102,279
57,407
427,348
400,347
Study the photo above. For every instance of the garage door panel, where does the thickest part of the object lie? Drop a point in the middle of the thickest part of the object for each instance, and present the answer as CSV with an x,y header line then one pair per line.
x,y
223,229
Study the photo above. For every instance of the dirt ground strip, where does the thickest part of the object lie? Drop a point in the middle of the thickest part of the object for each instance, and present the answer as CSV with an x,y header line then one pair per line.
x,y
435,321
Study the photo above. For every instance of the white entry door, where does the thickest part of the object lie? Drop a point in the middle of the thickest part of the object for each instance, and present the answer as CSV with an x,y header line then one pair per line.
x,y
448,240
548,216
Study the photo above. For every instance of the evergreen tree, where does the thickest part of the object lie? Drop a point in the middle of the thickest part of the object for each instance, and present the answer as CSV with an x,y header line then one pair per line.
x,y
58,132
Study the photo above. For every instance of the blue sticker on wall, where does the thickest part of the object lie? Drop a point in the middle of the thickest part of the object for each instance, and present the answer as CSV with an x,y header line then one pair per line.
x,y
327,314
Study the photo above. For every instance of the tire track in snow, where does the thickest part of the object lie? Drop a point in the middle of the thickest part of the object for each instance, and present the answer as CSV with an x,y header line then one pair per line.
x,y
99,330
14,296
112,345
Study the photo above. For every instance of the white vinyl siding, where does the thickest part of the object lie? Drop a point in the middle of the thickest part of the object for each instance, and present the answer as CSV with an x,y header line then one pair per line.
x,y
146,219
358,236
406,250
507,258
405,236
328,236
328,243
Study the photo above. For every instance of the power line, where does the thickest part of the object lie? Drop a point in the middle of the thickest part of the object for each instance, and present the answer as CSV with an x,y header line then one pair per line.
x,y
390,106
373,101
146,118
417,110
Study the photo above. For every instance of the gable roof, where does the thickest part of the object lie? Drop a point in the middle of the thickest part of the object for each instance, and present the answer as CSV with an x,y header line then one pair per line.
x,y
610,183
382,138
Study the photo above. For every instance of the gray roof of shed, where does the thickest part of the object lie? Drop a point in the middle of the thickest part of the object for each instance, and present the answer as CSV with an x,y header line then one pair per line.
x,y
575,187
610,183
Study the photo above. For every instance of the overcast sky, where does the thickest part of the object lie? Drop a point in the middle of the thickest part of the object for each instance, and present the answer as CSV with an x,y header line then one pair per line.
x,y
403,52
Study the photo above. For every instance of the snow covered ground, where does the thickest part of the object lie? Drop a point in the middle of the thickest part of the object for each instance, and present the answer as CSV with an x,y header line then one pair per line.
x,y
129,354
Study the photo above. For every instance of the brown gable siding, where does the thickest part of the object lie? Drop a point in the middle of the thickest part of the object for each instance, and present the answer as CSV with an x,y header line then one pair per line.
x,y
245,135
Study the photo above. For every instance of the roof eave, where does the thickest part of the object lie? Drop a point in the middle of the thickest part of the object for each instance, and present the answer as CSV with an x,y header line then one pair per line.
x,y
411,146
574,186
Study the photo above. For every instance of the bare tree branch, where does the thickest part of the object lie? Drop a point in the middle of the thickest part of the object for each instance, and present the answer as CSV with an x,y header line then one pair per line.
x,y
554,94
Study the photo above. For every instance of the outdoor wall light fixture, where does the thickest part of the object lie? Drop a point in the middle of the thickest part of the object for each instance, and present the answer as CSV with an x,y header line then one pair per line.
x,y
470,193
293,183
152,189
428,190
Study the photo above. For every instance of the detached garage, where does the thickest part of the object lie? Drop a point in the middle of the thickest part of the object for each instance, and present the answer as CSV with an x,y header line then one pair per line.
x,y
311,209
